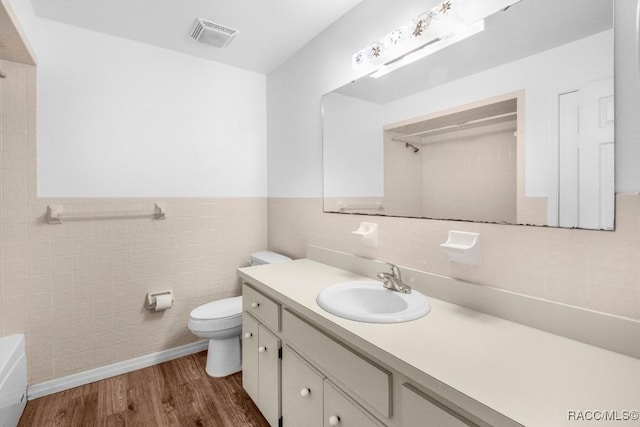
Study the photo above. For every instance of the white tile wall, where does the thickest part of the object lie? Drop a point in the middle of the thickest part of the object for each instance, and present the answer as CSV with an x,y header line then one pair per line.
x,y
598,270
77,289
483,189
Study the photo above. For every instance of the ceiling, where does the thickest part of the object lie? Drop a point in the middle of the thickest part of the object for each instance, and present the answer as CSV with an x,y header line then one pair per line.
x,y
269,31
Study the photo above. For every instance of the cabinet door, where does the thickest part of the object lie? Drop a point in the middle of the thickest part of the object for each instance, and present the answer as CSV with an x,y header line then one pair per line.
x,y
357,375
420,409
250,356
341,411
301,392
269,378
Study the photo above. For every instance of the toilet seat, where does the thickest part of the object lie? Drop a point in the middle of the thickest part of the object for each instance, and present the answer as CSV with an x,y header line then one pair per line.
x,y
217,315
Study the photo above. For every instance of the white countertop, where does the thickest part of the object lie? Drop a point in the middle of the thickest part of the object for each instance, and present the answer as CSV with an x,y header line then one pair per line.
x,y
530,376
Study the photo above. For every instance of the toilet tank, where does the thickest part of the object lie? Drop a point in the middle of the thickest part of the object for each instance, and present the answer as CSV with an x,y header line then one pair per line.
x,y
267,257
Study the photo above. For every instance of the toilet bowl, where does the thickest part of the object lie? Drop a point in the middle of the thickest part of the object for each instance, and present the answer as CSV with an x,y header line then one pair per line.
x,y
221,323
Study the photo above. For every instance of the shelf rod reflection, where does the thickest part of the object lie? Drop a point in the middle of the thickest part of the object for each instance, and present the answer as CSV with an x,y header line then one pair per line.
x,y
455,126
372,207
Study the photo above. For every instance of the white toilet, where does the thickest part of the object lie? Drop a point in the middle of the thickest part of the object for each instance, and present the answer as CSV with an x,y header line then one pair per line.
x,y
221,323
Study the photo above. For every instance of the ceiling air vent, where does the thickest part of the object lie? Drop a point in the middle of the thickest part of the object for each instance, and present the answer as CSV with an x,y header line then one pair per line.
x,y
210,33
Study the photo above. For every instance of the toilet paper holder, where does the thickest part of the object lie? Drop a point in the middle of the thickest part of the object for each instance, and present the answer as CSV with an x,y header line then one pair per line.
x,y
152,299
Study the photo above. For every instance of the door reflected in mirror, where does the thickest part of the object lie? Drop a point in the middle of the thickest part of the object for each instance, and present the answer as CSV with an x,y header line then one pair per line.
x,y
514,125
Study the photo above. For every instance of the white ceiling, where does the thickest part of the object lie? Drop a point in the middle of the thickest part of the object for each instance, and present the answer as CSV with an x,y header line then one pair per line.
x,y
269,31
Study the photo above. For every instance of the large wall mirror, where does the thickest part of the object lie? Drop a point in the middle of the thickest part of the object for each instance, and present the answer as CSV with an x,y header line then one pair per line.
x,y
513,125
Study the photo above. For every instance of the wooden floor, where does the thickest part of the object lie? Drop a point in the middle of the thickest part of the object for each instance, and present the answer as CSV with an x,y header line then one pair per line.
x,y
175,393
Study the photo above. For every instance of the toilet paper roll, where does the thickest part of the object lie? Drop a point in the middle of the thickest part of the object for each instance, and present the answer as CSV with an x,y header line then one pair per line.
x,y
163,302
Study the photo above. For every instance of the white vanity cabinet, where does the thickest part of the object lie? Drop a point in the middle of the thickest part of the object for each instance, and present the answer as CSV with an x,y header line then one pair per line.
x,y
311,400
319,381
261,353
357,375
454,367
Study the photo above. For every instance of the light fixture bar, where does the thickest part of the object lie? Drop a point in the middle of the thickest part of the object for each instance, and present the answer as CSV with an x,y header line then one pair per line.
x,y
429,49
440,26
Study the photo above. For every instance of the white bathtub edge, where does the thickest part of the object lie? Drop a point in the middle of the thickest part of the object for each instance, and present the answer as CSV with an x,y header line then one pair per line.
x,y
13,379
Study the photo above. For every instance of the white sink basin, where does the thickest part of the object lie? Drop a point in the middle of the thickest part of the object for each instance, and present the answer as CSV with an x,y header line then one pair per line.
x,y
373,303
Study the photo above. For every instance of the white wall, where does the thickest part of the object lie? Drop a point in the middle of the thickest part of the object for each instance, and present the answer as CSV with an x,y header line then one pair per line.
x,y
542,76
593,269
119,118
353,148
294,91
627,96
89,272
295,88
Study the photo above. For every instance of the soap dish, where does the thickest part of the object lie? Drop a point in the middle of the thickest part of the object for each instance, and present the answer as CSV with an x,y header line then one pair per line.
x,y
368,234
463,247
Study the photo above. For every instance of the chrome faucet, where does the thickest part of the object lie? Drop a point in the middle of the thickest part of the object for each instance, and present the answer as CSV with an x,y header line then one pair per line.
x,y
393,280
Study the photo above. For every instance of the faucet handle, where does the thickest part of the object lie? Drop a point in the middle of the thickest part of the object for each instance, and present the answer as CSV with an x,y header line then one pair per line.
x,y
395,271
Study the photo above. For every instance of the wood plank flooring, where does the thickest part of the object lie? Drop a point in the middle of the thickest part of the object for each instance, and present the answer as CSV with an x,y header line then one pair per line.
x,y
174,393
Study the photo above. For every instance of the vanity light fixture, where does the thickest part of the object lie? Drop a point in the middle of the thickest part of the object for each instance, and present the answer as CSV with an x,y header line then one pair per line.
x,y
449,22
428,49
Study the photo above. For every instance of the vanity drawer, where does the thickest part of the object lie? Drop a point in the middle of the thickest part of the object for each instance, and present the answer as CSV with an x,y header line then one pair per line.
x,y
420,409
370,383
261,307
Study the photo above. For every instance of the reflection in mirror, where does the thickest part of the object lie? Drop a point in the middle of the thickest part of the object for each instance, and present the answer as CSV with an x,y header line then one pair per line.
x,y
513,125
457,165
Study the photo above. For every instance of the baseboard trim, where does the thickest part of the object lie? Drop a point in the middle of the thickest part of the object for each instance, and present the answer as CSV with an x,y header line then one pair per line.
x,y
108,371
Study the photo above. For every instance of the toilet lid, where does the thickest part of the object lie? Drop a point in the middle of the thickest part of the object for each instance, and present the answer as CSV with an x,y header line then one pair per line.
x,y
219,309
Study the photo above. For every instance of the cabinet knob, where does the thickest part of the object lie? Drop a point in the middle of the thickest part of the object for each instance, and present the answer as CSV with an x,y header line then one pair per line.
x,y
248,335
262,349
305,392
334,420
255,305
